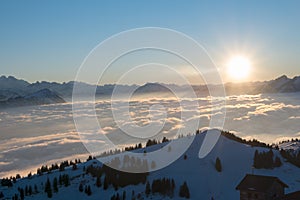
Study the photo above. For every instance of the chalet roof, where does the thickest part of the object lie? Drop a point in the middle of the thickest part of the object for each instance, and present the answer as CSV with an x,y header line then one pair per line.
x,y
258,183
292,196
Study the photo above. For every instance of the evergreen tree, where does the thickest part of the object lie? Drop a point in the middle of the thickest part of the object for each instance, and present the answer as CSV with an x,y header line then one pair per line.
x,y
148,188
105,184
22,196
26,190
172,187
55,188
60,181
269,162
218,165
66,180
124,195
89,191
35,189
98,182
80,187
118,196
29,190
74,167
48,188
185,157
184,191
277,162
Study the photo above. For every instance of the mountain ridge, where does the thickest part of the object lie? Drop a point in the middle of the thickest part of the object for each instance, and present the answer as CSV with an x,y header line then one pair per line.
x,y
41,97
11,87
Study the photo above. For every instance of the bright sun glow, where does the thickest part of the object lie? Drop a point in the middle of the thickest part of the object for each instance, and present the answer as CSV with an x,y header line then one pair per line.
x,y
238,67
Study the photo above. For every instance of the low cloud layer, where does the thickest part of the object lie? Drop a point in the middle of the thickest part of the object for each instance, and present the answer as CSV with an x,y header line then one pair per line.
x,y
34,135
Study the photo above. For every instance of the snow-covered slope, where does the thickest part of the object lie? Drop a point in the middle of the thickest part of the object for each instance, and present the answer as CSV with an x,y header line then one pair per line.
x,y
290,145
203,180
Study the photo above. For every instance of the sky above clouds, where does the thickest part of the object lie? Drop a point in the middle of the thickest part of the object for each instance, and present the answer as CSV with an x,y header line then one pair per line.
x,y
48,40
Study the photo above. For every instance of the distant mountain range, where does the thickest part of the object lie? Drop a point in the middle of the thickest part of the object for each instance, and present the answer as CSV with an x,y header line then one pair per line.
x,y
41,97
17,92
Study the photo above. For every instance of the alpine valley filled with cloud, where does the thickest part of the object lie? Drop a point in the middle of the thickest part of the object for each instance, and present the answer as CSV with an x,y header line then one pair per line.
x,y
35,130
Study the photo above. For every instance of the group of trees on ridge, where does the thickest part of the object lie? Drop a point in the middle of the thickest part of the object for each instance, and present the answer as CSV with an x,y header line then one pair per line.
x,y
266,160
291,156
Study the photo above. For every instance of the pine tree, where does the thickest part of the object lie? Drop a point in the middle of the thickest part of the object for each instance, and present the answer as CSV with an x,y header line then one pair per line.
x,y
277,162
172,187
30,190
26,190
218,165
105,184
98,182
185,157
22,194
48,188
148,188
35,189
89,191
118,196
66,180
124,195
60,181
184,191
74,167
55,188
80,187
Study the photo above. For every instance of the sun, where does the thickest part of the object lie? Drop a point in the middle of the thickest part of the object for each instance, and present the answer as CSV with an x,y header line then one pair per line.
x,y
238,67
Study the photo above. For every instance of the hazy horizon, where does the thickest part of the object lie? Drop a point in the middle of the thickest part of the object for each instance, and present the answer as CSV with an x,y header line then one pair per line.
x,y
140,84
52,47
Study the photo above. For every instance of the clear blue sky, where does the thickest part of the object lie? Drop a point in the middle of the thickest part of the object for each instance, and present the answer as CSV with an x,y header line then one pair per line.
x,y
48,40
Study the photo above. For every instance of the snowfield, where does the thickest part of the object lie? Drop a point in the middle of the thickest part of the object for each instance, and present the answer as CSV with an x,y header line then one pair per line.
x,y
203,180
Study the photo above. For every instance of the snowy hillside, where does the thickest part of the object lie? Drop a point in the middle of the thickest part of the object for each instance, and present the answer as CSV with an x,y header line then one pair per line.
x,y
203,181
290,145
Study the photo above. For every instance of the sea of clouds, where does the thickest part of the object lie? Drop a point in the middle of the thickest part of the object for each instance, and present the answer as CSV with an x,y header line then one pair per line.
x,y
33,136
